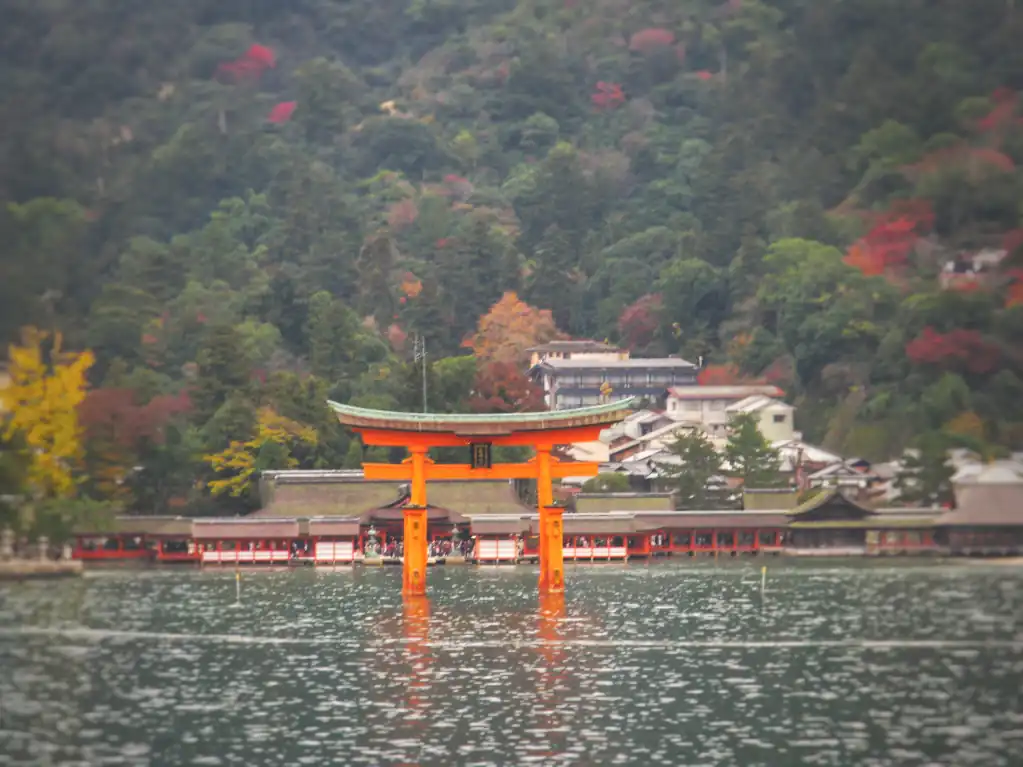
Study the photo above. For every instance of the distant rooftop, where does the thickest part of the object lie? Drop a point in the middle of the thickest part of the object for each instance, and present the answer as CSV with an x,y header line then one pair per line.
x,y
754,403
724,392
629,364
580,346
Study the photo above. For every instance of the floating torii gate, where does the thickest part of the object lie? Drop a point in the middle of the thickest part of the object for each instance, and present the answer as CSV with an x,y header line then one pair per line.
x,y
418,432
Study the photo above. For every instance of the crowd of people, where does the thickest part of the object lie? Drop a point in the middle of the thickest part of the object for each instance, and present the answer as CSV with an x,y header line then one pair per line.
x,y
439,548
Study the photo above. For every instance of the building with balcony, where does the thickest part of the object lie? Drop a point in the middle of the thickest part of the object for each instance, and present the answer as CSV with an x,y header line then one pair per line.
x,y
713,406
580,380
595,351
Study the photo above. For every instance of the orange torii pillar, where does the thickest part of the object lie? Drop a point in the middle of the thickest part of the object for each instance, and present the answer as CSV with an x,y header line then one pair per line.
x,y
552,555
552,571
418,469
413,582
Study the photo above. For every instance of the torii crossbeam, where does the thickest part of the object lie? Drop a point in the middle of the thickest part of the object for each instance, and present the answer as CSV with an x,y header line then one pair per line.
x,y
479,433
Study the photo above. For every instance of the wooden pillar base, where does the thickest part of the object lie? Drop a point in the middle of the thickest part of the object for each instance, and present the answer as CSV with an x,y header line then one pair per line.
x,y
552,559
414,567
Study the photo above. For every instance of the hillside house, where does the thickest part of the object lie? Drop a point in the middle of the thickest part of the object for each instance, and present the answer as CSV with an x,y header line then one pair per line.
x,y
708,406
774,417
578,381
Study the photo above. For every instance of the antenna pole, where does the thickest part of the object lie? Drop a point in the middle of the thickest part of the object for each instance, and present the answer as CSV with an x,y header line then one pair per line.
x,y
420,356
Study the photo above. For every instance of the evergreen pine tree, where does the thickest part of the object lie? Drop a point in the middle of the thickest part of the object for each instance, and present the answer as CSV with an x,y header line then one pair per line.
x,y
750,456
925,477
699,464
223,371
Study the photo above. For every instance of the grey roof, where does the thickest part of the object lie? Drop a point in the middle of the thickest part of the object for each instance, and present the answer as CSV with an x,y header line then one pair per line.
x,y
584,345
244,527
629,364
993,497
737,392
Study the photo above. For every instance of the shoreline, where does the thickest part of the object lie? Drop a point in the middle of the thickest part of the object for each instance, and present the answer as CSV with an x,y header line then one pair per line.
x,y
28,569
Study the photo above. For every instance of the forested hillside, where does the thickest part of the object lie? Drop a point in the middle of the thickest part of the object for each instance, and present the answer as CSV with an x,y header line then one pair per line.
x,y
242,207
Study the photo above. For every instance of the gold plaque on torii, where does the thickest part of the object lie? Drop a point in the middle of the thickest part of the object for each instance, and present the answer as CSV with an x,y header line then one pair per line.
x,y
480,455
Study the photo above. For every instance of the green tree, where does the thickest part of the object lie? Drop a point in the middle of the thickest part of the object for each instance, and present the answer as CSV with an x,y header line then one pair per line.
x,y
695,470
749,455
607,482
925,476
222,371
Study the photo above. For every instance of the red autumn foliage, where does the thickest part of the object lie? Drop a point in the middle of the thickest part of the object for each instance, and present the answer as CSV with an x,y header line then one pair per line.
x,y
647,40
725,375
250,65
976,163
114,416
502,387
459,186
396,337
638,321
261,54
1006,101
402,214
444,242
1014,293
608,96
705,74
1012,240
282,112
891,238
780,372
965,286
960,349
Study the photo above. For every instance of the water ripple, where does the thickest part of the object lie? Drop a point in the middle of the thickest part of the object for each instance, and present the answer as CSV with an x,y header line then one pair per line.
x,y
667,664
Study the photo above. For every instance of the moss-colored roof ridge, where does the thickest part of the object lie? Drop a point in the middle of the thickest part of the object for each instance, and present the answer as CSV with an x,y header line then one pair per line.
x,y
552,416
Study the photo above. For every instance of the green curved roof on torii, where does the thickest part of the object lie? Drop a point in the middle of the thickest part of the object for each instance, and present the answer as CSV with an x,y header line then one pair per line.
x,y
482,423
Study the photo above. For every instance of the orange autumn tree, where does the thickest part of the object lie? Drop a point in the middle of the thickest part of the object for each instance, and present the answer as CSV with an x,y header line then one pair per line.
x,y
510,328
500,344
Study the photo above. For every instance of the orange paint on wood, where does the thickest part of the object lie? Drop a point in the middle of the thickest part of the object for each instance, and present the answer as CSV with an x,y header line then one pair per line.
x,y
548,437
552,560
450,471
414,566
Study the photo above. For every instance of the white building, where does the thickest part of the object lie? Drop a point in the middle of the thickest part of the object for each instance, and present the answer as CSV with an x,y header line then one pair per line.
x,y
708,405
595,351
774,417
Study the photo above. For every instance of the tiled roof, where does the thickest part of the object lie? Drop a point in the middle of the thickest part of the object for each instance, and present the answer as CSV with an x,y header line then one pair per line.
x,y
634,363
481,423
580,346
754,403
723,392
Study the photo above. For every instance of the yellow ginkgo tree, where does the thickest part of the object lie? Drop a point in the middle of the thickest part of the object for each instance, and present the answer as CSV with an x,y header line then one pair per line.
x,y
239,463
39,407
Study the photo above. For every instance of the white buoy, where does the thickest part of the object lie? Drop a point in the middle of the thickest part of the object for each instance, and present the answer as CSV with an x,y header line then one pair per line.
x,y
763,579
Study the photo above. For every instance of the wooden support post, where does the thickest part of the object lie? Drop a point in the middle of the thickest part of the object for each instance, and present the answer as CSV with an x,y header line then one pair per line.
x,y
544,499
418,490
552,565
415,514
414,567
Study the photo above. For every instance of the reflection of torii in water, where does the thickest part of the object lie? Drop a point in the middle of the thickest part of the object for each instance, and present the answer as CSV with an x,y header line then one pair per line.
x,y
550,684
416,629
